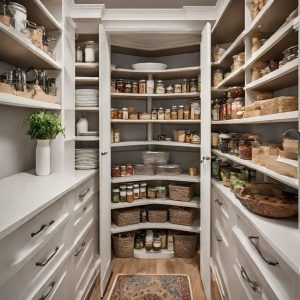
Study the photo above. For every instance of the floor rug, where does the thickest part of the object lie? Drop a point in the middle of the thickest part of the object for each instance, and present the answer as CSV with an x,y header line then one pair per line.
x,y
151,287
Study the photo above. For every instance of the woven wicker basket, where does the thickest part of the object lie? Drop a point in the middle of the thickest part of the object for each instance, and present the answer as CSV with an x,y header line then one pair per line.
x,y
123,245
180,192
267,200
185,245
182,216
157,216
127,216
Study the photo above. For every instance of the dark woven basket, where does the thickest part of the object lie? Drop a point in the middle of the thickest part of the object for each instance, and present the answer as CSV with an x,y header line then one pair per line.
x,y
185,244
126,216
182,216
157,216
123,245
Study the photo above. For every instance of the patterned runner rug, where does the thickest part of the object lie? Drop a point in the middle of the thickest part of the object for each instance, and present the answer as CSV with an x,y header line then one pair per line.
x,y
151,287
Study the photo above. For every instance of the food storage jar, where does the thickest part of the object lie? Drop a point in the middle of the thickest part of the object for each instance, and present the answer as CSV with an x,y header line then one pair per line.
x,y
180,112
125,113
185,86
151,192
150,85
119,114
129,193
170,88
123,171
193,86
161,192
236,92
218,76
169,170
119,88
174,112
139,241
123,193
144,213
142,86
18,13
129,170
215,168
215,112
181,136
117,136
127,87
115,197
186,112
155,157
214,140
116,172
143,190
135,87
154,114
140,169
188,137
233,146
90,50
160,87
245,149
195,109
177,88
136,191
79,54
160,114
156,243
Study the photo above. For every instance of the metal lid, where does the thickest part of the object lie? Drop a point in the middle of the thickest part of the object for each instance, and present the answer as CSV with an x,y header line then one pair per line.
x,y
17,6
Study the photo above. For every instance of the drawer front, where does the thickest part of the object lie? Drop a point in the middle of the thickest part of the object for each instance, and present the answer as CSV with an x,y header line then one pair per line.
x,y
84,192
43,263
284,279
18,247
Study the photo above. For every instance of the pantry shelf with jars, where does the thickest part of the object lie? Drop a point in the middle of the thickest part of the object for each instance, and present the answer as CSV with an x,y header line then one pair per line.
x,y
155,143
87,69
157,96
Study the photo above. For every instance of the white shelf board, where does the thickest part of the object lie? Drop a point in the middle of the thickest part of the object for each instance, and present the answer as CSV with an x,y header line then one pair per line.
x,y
234,78
283,77
286,117
86,138
87,69
167,225
292,182
155,143
194,203
134,178
178,73
86,81
132,96
69,138
38,13
87,108
116,121
16,101
287,232
17,49
162,254
218,92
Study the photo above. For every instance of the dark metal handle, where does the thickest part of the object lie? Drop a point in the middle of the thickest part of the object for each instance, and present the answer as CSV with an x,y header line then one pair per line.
x,y
104,153
51,286
82,246
293,130
269,262
219,239
205,158
43,264
42,228
253,284
84,209
219,202
82,195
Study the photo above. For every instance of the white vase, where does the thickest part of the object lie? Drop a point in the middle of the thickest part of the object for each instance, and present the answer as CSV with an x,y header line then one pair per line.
x,y
42,156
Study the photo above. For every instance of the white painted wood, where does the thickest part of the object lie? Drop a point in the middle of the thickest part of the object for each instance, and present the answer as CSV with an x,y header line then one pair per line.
x,y
87,81
87,69
156,96
84,108
87,138
234,78
205,171
156,143
162,254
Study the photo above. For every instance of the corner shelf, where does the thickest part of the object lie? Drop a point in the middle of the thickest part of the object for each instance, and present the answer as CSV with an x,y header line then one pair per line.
x,y
132,96
155,143
292,182
234,78
22,52
16,101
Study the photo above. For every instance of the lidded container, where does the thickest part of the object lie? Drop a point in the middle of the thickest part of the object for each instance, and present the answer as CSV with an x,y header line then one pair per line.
x,y
18,13
90,51
193,85
155,157
160,87
218,76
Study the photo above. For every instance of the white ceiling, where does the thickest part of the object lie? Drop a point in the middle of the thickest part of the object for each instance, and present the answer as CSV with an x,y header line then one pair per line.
x,y
149,3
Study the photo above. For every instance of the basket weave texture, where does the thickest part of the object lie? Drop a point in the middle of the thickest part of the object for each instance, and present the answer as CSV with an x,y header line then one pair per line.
x,y
127,216
182,216
157,216
185,245
123,246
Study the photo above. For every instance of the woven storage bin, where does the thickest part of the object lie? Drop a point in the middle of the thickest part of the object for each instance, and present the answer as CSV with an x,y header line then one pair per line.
x,y
269,107
127,216
157,216
123,245
185,244
182,216
287,103
180,192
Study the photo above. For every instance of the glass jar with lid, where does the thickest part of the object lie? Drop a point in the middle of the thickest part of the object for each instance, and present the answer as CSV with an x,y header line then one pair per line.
x,y
115,197
127,87
170,89
119,114
79,53
129,193
135,87
123,171
160,114
216,111
193,86
233,146
154,114
180,112
185,86
168,114
119,88
245,149
90,51
229,109
142,86
143,190
136,191
129,170
151,192
186,112
123,193
195,109
223,142
160,87
174,112
177,88
125,113
218,76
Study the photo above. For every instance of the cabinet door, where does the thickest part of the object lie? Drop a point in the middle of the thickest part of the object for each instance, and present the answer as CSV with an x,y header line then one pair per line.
x,y
105,158
205,59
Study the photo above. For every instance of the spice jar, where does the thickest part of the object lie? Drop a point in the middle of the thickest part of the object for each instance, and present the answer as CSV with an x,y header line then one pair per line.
x,y
127,87
129,193
90,51
167,114
143,190
150,85
79,54
142,86
193,171
122,171
119,114
154,114
117,136
245,149
119,86
113,113
160,114
129,170
125,113
151,192
195,109
215,168
116,172
136,191
186,112
156,243
214,140
161,192
180,112
123,193
160,87
185,86
188,137
115,197
193,86
177,88
218,76
144,214
174,112
135,87
170,89
139,242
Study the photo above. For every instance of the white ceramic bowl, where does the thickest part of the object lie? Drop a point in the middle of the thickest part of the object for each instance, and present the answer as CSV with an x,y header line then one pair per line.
x,y
149,66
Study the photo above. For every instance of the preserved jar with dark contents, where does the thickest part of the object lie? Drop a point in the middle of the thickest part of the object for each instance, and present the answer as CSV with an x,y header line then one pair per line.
x,y
135,87
128,87
129,170
119,86
245,150
123,171
142,86
123,193
116,172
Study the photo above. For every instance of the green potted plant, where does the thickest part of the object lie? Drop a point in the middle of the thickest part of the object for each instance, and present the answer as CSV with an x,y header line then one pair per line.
x,y
43,126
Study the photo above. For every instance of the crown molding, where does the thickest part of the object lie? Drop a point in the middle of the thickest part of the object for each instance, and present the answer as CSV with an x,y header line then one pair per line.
x,y
87,11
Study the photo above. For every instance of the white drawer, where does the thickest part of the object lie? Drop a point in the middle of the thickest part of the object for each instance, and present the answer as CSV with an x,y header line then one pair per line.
x,y
281,278
38,267
18,247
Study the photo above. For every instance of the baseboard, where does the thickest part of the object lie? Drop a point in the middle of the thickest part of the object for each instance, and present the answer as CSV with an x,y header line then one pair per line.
x,y
217,279
104,278
92,277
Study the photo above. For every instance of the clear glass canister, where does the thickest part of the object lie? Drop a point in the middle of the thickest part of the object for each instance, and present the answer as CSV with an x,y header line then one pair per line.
x,y
154,114
217,77
174,112
177,88
160,87
168,114
135,87
160,114
79,54
186,112
195,109
170,89
143,190
142,86
90,51
193,86
123,193
136,191
180,112
115,196
129,193
151,192
185,86
245,150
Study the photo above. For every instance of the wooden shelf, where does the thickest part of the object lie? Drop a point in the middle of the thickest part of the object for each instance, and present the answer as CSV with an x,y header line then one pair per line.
x,y
17,50
16,101
162,254
167,225
135,178
292,182
234,78
178,73
131,96
155,143
116,121
86,138
283,77
87,69
286,117
87,81
86,108
194,203
39,14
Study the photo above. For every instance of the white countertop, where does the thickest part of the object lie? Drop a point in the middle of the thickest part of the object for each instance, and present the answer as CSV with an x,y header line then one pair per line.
x,y
282,235
22,196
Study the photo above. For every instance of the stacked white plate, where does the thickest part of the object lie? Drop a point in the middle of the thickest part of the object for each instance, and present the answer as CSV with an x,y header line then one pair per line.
x,y
86,159
87,97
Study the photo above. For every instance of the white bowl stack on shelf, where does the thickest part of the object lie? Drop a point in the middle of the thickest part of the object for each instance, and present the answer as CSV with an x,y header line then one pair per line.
x,y
86,159
87,98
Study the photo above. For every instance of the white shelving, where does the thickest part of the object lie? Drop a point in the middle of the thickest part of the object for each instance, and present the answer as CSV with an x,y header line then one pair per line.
x,y
292,182
182,178
86,108
86,81
234,78
132,96
167,225
286,117
162,254
156,121
86,138
155,143
16,101
87,69
17,49
194,203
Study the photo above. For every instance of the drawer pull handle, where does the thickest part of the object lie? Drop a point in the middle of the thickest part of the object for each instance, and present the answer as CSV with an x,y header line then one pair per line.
x,y
82,195
43,264
219,202
84,209
253,284
82,246
42,228
269,262
219,239
51,286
